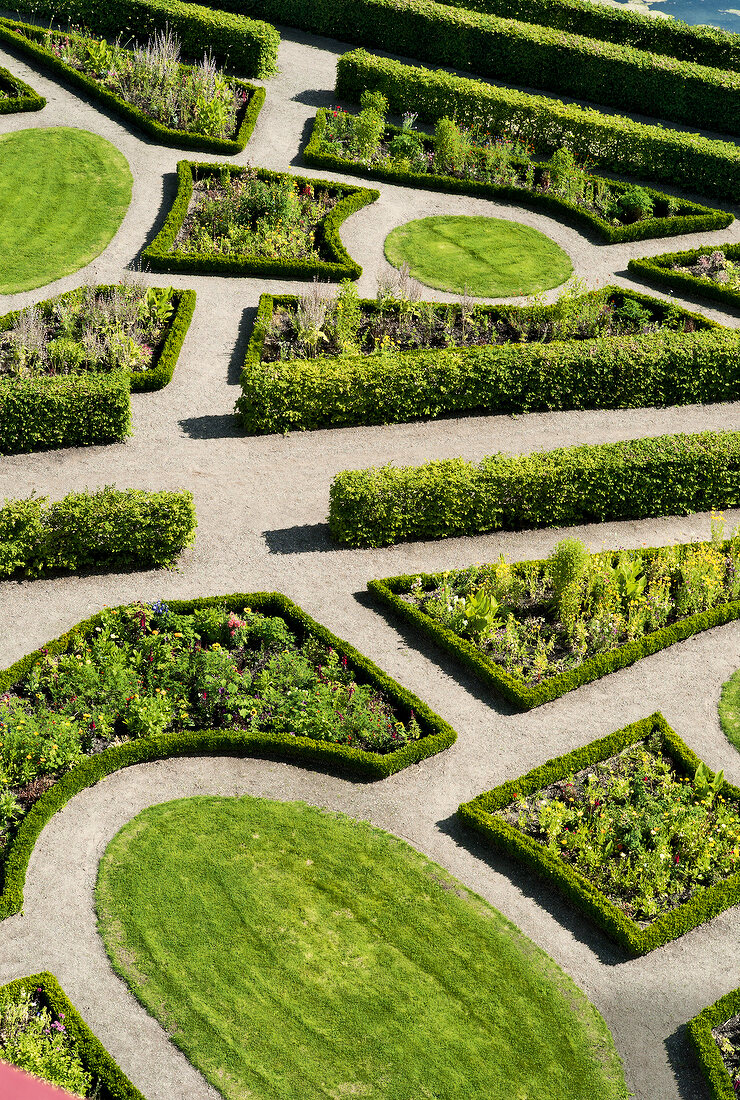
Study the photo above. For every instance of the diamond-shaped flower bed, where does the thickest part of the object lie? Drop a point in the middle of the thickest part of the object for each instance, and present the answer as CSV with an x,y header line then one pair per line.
x,y
632,828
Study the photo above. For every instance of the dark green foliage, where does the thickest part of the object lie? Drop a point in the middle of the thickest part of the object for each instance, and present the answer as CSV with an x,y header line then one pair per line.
x,y
436,734
689,217
479,814
163,134
15,95
114,1085
66,411
108,529
338,265
246,46
699,1031
665,368
525,696
657,269
612,142
667,475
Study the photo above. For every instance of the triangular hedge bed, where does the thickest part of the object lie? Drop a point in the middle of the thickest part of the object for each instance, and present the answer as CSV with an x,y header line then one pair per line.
x,y
16,95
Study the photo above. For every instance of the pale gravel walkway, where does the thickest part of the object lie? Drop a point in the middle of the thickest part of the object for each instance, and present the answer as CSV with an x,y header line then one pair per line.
x,y
261,507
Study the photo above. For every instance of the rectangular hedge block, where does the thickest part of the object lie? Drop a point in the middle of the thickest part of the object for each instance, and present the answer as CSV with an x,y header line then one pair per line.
x,y
480,815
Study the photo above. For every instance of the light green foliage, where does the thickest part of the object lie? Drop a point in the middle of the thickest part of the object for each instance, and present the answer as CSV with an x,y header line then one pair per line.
x,y
346,318
32,1039
482,612
334,959
567,565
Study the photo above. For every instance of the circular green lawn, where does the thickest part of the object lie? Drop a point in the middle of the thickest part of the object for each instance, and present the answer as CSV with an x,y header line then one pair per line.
x,y
63,195
729,709
298,954
490,257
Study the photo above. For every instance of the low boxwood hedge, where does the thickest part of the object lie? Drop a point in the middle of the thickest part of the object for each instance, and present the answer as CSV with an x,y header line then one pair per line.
x,y
658,269
337,265
436,734
112,1082
16,95
391,590
664,368
29,40
108,529
690,217
669,475
701,165
699,1030
245,46
480,814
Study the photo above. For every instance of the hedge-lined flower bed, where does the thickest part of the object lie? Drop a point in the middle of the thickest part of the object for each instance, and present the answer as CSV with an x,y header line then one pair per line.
x,y
669,475
69,364
632,828
532,631
182,105
708,272
698,164
15,95
43,1033
237,675
715,1037
465,161
317,362
242,221
107,529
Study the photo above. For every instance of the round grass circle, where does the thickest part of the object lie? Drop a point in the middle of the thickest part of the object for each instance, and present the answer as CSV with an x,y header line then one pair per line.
x,y
297,954
729,709
63,195
488,257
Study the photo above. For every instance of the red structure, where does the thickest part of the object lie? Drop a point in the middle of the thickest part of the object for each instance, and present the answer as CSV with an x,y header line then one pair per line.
x,y
17,1085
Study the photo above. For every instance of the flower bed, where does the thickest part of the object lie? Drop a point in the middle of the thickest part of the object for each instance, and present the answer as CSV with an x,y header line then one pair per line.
x,y
43,1033
244,221
715,1037
231,675
709,272
320,361
183,105
533,631
468,161
15,95
633,828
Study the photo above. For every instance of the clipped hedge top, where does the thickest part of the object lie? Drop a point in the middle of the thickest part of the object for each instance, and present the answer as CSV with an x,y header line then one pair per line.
x,y
16,95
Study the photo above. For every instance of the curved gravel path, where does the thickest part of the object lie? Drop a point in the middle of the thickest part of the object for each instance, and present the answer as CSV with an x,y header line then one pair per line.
x,y
261,507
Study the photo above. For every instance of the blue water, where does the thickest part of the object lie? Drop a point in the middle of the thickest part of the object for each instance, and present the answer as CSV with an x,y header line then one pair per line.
x,y
693,11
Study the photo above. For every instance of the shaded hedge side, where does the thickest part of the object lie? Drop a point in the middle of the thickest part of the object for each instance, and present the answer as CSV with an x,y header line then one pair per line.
x,y
16,95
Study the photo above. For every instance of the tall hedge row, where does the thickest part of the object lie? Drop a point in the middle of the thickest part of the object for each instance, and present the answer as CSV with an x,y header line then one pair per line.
x,y
700,164
668,475
64,411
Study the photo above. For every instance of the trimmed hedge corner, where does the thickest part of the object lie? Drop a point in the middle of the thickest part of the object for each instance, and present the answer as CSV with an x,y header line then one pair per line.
x,y
699,1031
436,734
701,165
338,264
27,40
108,529
657,269
669,475
113,1083
480,814
245,46
390,591
16,95
666,368
691,217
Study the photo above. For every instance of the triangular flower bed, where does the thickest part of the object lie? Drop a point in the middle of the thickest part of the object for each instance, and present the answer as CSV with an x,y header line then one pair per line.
x,y
16,95
700,282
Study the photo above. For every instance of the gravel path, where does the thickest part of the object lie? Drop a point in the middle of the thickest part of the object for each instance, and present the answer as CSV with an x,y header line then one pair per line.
x,y
261,508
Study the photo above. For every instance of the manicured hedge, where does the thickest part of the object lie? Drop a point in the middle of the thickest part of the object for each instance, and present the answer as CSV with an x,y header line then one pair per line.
x,y
107,529
391,590
113,1083
657,269
15,95
436,734
520,53
164,134
245,46
664,368
338,264
699,164
702,906
669,475
699,1031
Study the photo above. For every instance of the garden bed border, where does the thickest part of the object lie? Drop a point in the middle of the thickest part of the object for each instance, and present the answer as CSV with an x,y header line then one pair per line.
x,y
699,1031
657,269
705,903
22,96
